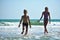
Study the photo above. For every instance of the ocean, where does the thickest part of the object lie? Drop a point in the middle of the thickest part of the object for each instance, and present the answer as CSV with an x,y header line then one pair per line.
x,y
8,22
9,30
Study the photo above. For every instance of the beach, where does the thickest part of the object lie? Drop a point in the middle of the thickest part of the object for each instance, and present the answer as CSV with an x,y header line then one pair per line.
x,y
9,30
35,33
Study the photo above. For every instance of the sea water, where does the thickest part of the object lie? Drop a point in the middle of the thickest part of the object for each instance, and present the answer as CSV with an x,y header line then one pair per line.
x,y
9,30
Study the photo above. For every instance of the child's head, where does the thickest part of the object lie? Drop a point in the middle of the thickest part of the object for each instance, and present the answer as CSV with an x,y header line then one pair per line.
x,y
25,11
46,9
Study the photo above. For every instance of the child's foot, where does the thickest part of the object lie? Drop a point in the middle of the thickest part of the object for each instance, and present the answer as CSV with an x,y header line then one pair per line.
x,y
21,32
45,32
25,33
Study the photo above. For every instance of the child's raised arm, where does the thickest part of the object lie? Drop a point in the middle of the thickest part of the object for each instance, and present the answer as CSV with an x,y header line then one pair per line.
x,y
41,17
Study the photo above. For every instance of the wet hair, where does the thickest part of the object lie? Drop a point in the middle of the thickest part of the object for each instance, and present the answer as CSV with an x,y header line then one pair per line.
x,y
46,8
25,10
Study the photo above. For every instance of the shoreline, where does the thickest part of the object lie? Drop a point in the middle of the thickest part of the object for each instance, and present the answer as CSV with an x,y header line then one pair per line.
x,y
36,32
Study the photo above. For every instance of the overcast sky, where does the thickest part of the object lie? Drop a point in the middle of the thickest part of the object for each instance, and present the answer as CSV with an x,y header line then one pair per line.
x,y
13,9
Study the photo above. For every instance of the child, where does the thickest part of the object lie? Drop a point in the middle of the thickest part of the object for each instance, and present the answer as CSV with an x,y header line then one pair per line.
x,y
45,14
25,23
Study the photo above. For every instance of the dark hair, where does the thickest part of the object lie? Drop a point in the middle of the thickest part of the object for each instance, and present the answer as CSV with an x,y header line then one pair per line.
x,y
25,10
46,7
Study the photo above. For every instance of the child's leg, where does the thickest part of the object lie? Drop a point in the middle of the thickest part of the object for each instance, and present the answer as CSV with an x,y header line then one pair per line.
x,y
22,30
45,24
26,29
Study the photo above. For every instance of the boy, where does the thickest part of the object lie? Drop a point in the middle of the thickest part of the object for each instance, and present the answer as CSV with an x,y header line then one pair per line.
x,y
45,14
25,23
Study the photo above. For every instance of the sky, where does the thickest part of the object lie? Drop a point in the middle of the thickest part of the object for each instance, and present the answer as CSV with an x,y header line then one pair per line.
x,y
13,9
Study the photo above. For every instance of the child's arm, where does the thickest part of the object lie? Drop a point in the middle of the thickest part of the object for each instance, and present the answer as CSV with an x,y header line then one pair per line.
x,y
29,21
20,22
41,17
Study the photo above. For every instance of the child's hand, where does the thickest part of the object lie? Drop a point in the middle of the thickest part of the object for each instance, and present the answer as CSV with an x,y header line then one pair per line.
x,y
19,26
